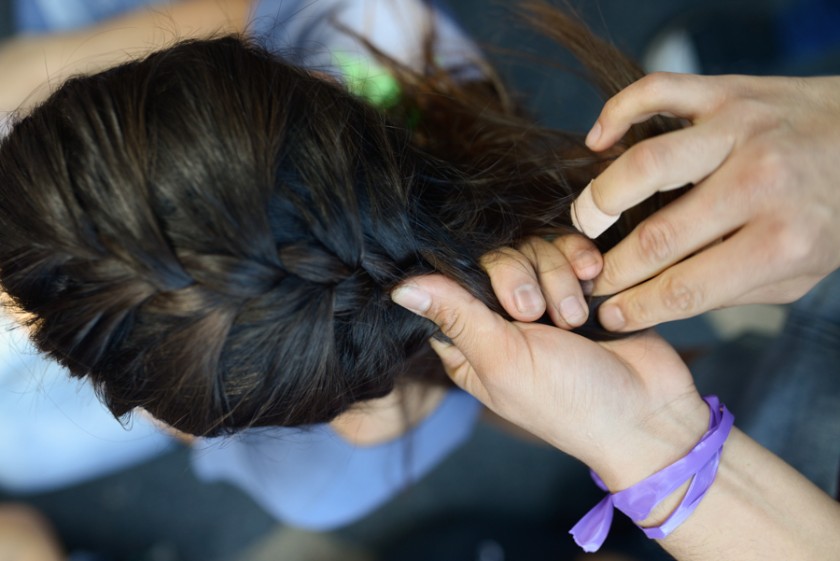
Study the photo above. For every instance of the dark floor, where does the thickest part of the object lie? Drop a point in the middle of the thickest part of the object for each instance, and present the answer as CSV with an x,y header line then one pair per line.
x,y
495,493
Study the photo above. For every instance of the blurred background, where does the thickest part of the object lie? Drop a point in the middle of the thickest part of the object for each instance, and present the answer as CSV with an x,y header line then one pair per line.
x,y
497,498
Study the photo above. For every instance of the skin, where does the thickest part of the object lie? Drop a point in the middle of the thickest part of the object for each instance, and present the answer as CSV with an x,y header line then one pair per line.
x,y
541,275
39,63
26,536
760,224
381,420
627,409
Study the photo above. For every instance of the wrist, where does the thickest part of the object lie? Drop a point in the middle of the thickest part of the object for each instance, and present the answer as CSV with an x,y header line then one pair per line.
x,y
661,502
655,441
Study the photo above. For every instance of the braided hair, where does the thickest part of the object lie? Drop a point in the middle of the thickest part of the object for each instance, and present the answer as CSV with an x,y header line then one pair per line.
x,y
211,233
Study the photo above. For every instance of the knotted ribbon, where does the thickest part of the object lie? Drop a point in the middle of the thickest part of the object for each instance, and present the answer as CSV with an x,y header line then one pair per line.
x,y
637,502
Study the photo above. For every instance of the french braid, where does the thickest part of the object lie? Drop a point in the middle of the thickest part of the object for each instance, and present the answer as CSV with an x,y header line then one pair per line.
x,y
211,233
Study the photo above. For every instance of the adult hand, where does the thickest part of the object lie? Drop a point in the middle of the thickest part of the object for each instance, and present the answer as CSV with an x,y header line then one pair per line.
x,y
762,153
625,408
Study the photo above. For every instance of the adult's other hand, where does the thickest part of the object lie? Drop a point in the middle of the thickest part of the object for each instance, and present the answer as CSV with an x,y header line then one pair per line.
x,y
760,224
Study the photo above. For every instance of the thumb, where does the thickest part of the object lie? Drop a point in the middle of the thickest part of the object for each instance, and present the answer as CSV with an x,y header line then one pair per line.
x,y
479,336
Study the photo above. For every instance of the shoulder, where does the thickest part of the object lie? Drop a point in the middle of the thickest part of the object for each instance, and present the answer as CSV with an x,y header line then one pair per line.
x,y
312,478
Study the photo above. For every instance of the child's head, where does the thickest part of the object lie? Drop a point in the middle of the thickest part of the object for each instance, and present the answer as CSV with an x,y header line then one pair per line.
x,y
211,233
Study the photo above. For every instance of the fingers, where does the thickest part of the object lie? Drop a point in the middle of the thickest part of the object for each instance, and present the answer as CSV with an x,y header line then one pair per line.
x,y
681,95
481,336
544,275
711,279
697,219
658,164
582,254
778,293
515,282
558,265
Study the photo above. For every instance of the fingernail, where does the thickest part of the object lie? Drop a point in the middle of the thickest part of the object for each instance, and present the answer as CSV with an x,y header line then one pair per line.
x,y
611,317
412,298
594,134
587,287
571,308
528,299
586,264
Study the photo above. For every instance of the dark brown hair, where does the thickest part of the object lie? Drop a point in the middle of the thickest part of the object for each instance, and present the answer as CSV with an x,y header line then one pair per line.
x,y
211,233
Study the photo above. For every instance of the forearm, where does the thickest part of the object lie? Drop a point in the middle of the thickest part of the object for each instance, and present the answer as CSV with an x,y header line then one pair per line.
x,y
758,508
26,536
50,59
148,29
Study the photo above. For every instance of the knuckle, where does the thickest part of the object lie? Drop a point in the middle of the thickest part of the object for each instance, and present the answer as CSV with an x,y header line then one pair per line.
x,y
733,94
638,311
557,265
532,247
792,248
614,274
546,258
657,241
500,257
598,199
641,97
507,264
681,298
773,165
754,119
767,174
450,321
613,106
492,258
627,100
718,91
646,159
572,244
655,84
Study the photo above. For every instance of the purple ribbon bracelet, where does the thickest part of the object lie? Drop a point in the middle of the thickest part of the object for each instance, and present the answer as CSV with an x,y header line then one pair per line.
x,y
700,465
